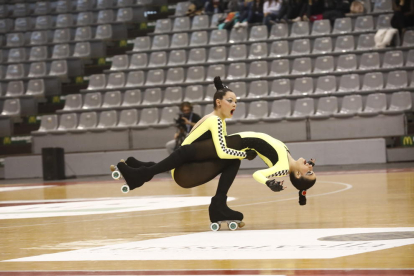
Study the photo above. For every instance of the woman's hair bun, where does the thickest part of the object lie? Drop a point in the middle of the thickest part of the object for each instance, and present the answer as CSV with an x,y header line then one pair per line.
x,y
218,84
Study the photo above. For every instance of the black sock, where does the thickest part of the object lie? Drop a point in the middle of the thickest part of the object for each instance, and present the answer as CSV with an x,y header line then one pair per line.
x,y
227,177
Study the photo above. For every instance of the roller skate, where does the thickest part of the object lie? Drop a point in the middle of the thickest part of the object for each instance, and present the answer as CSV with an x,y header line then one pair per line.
x,y
219,213
117,175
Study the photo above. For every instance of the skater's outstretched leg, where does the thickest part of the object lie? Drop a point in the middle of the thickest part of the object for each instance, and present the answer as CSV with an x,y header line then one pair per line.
x,y
134,163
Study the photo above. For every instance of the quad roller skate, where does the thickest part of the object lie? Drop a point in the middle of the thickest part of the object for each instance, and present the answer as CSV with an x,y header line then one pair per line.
x,y
220,213
116,174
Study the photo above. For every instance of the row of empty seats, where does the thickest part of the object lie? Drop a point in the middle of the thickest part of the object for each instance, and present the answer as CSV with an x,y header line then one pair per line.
x,y
240,53
100,32
24,24
303,28
348,106
300,87
37,53
56,68
64,6
341,43
34,87
235,71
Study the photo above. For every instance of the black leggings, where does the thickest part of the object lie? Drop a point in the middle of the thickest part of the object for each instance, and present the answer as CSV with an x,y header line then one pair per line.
x,y
206,165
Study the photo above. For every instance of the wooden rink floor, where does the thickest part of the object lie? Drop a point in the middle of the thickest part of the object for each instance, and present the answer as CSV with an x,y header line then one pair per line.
x,y
357,221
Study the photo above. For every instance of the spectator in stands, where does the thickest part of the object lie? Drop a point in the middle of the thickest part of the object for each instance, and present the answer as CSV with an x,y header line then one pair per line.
x,y
310,9
186,120
252,13
214,6
336,9
403,15
290,9
271,9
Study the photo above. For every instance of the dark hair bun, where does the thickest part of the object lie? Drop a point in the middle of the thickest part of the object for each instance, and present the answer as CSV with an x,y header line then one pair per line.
x,y
218,84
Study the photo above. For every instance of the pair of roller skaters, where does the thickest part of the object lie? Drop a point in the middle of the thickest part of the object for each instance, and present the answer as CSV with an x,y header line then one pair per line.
x,y
208,151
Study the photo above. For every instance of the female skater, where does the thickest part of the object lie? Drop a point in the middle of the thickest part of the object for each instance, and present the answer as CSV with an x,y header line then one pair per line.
x,y
207,152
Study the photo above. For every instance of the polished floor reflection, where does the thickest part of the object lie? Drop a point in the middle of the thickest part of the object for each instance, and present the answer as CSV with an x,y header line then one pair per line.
x,y
355,219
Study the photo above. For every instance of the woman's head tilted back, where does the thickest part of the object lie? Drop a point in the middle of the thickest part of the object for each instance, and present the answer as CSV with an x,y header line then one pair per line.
x,y
303,177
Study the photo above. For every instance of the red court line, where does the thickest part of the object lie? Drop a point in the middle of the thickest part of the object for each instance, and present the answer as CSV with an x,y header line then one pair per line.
x,y
316,272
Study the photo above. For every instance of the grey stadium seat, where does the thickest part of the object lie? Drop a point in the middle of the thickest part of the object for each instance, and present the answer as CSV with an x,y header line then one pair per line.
x,y
397,79
181,8
61,51
200,22
194,93
196,56
217,54
324,64
104,32
215,70
344,43
373,81
327,106
67,122
303,109
132,98
127,118
258,89
210,91
257,111
177,57
364,23
237,71
382,6
280,109
62,36
258,33
37,69
349,83
173,95
160,42
59,68
135,78
279,30
238,35
73,102
342,25
175,75
105,17
237,52
279,49
39,37
152,96
347,63
195,74
408,38
15,40
92,101
301,47
393,59
158,59
181,24
15,71
148,116
42,8
369,61
168,115
63,6
218,37
97,82
302,66
138,61
322,45
179,40
84,19
325,85
258,69
400,102
199,38
104,4
65,20
163,26
17,55
23,24
83,33
36,87
116,80
300,29
280,87
112,99
11,108
351,106
384,21
258,50
375,104
47,123
119,62
280,67
321,27
87,121
366,42
215,18
155,77
303,86
142,43
107,119
239,88
15,89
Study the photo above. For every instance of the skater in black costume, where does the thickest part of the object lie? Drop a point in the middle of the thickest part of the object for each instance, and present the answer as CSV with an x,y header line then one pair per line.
x,y
207,152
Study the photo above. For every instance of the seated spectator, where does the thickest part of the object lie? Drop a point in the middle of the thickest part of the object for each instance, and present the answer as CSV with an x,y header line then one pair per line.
x,y
214,6
290,9
310,8
252,13
271,9
335,9
403,17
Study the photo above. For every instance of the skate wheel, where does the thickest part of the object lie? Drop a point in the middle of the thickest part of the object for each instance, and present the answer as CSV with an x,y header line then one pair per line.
x,y
116,175
125,189
233,225
113,168
215,226
123,161
241,224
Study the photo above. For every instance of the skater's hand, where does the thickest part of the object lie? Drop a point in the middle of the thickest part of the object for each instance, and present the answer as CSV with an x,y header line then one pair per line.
x,y
251,154
275,186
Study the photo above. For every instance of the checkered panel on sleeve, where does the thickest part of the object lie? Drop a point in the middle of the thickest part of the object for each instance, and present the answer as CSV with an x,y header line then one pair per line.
x,y
279,173
222,144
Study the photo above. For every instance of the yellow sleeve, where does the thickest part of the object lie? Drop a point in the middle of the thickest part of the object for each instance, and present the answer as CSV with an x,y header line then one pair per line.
x,y
262,176
217,132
